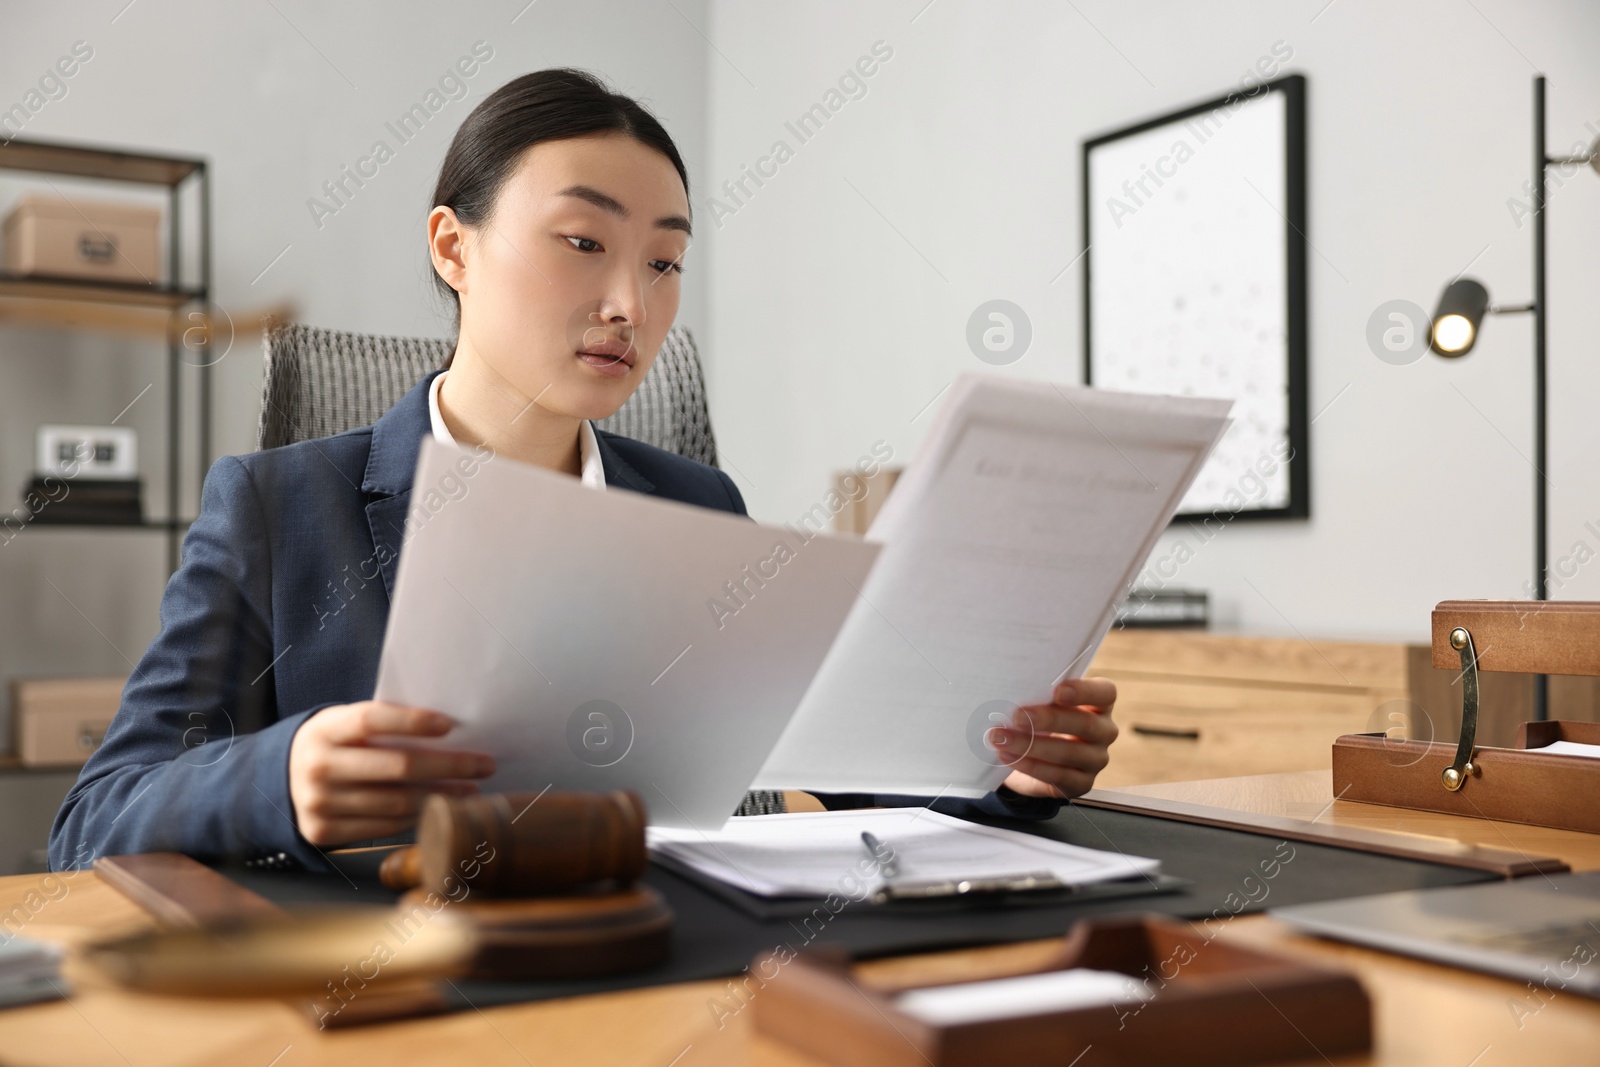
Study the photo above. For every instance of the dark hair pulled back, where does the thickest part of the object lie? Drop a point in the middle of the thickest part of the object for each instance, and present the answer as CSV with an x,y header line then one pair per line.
x,y
546,105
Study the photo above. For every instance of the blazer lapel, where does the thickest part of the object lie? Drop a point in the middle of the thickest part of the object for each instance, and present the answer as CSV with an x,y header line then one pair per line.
x,y
386,518
391,467
618,470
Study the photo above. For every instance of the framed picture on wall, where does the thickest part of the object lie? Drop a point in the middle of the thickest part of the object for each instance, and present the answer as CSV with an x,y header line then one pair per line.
x,y
1194,283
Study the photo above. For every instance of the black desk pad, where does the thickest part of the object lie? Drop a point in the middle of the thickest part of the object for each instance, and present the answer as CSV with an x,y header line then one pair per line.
x,y
1224,873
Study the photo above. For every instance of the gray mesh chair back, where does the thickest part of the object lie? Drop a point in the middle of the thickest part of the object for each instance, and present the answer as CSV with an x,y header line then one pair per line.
x,y
322,382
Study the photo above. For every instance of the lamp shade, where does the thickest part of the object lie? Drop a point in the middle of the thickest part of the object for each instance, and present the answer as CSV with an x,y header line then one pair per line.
x,y
1457,317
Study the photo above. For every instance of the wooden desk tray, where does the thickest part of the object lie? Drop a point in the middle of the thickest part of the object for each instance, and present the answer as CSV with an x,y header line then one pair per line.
x,y
1520,784
1214,1004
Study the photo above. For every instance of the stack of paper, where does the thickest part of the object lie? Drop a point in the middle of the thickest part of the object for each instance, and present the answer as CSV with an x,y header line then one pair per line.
x,y
822,853
29,971
1570,748
1028,994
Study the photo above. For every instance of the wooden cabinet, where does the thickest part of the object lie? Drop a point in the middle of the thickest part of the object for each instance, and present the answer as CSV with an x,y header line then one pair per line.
x,y
1196,705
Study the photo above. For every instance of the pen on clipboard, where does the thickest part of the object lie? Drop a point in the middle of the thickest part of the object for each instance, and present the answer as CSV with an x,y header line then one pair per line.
x,y
887,866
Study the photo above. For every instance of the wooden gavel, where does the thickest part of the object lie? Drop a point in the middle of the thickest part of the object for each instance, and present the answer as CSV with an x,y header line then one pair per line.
x,y
522,844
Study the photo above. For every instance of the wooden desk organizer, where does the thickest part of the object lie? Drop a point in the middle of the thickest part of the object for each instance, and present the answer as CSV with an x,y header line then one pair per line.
x,y
1518,784
1214,1004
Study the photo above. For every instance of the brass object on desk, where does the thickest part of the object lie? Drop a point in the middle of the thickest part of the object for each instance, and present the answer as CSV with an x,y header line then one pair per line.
x,y
208,921
284,955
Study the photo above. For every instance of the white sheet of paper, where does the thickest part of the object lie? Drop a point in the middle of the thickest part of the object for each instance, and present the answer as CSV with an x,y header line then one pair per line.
x,y
1015,531
1570,748
571,633
1026,994
816,853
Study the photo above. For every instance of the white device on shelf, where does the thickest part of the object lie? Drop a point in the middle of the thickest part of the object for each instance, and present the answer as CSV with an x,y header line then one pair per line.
x,y
87,452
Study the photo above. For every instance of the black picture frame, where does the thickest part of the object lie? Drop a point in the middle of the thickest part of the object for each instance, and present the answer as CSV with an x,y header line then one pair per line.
x,y
1293,88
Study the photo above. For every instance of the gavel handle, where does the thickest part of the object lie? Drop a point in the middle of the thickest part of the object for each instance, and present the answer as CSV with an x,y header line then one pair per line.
x,y
401,869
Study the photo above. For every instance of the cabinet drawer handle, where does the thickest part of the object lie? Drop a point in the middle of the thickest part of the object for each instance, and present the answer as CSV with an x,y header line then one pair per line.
x,y
1187,733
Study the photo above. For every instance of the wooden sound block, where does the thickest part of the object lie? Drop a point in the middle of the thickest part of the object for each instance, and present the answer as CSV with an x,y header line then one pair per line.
x,y
580,936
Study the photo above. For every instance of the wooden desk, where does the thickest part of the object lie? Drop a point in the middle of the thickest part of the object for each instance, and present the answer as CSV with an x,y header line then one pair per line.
x,y
1425,1014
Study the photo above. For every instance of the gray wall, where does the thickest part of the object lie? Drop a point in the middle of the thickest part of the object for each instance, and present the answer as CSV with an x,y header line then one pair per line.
x,y
831,325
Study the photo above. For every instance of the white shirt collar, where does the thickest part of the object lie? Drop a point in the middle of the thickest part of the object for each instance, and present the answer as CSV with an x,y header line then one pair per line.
x,y
594,474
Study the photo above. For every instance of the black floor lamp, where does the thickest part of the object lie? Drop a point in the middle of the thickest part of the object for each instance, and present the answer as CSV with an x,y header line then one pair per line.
x,y
1460,312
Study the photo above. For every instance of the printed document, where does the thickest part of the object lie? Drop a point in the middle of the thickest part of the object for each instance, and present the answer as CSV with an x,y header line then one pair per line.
x,y
584,638
1016,530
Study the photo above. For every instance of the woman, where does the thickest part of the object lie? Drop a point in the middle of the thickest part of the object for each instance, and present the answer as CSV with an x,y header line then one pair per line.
x,y
559,229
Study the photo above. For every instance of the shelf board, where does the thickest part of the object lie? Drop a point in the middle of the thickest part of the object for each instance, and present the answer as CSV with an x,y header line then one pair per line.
x,y
50,287
14,765
94,162
166,525
126,320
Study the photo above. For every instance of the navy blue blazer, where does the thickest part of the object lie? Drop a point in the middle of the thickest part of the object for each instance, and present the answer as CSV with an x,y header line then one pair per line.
x,y
277,611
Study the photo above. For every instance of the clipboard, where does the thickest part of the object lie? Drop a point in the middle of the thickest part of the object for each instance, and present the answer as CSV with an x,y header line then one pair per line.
x,y
1521,784
794,907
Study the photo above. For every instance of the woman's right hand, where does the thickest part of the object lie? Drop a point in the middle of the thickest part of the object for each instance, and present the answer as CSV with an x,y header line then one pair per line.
x,y
346,785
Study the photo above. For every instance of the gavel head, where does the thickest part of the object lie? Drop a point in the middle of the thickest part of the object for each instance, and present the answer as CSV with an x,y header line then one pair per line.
x,y
528,844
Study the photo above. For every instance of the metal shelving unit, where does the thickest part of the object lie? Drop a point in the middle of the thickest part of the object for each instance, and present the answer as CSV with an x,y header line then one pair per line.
x,y
43,299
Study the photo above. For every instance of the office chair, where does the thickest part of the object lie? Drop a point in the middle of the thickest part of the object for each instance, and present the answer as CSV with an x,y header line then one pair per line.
x,y
321,382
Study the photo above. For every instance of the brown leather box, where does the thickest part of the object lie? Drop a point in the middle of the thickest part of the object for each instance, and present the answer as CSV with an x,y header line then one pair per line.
x,y
61,721
50,236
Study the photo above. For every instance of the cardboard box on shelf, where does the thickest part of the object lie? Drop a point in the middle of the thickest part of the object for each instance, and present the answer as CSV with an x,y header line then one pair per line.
x,y
61,721
52,236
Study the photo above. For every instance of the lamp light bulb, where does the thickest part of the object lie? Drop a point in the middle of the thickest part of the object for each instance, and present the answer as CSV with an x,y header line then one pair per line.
x,y
1452,333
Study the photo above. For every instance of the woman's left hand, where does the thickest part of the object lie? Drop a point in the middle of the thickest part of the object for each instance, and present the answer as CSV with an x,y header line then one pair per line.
x,y
1055,750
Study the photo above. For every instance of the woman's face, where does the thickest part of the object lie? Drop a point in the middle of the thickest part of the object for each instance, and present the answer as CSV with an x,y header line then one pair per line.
x,y
569,287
